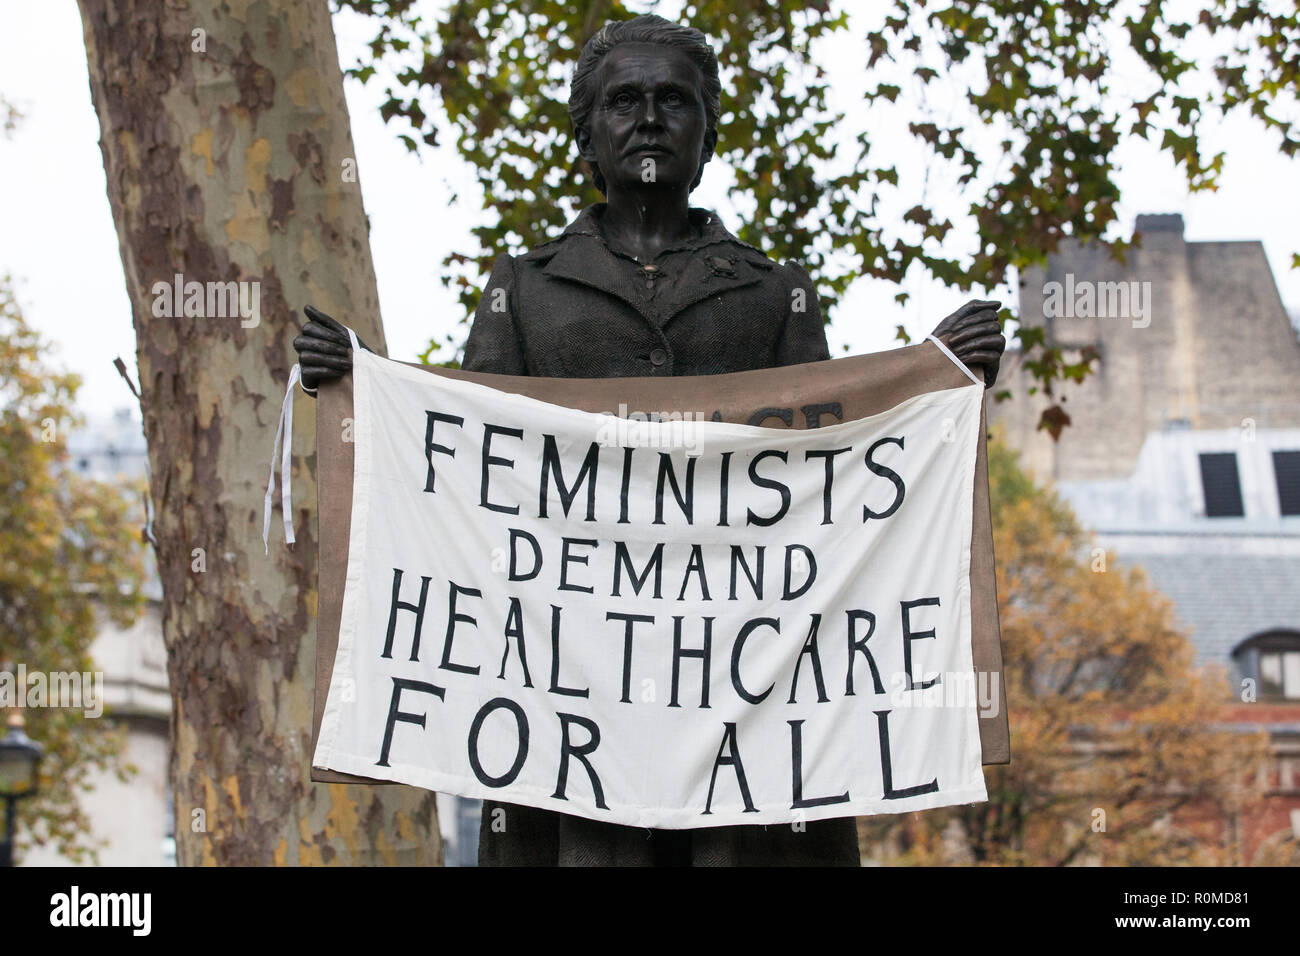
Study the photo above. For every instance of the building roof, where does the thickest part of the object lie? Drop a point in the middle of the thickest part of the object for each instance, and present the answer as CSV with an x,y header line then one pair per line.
x,y
1223,599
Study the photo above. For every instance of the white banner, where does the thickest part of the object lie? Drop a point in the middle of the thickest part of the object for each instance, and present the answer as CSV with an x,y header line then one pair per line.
x,y
678,623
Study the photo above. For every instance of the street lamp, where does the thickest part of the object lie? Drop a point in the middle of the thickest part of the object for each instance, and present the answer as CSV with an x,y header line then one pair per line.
x,y
20,756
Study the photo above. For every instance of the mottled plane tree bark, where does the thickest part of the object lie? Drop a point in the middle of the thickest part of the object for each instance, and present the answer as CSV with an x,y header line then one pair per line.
x,y
229,158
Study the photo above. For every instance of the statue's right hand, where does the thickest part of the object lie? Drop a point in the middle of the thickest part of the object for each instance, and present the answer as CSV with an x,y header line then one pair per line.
x,y
324,350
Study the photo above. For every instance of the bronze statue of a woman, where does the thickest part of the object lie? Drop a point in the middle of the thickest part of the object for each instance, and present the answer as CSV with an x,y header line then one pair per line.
x,y
644,284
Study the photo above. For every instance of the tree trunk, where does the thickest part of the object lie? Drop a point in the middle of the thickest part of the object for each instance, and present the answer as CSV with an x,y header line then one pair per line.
x,y
229,158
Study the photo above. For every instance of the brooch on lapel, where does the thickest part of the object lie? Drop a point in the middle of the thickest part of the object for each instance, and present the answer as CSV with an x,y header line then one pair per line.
x,y
722,266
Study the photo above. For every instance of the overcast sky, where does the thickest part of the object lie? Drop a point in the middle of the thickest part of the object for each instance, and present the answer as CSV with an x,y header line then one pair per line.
x,y
59,242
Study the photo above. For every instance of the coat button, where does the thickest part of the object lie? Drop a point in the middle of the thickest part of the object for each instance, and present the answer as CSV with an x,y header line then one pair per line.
x,y
658,357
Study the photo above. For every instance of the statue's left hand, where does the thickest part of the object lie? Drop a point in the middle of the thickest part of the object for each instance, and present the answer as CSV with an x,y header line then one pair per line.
x,y
974,335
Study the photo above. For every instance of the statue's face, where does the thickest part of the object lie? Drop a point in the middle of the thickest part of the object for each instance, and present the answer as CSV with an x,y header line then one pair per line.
x,y
649,126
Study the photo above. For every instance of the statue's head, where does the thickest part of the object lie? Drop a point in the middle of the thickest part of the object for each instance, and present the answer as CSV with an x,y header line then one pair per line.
x,y
646,81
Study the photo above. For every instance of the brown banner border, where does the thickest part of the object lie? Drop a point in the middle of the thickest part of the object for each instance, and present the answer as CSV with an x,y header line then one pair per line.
x,y
801,396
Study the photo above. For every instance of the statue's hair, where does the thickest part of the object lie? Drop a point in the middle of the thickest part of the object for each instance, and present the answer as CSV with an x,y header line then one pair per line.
x,y
647,28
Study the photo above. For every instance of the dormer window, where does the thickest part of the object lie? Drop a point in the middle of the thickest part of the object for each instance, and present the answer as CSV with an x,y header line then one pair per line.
x,y
1286,467
1273,661
1222,485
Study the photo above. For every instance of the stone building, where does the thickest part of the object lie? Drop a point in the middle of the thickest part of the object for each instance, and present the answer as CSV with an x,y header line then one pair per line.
x,y
1183,455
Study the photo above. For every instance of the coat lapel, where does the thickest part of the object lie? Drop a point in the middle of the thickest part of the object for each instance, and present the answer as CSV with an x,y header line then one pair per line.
x,y
719,264
710,271
585,259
